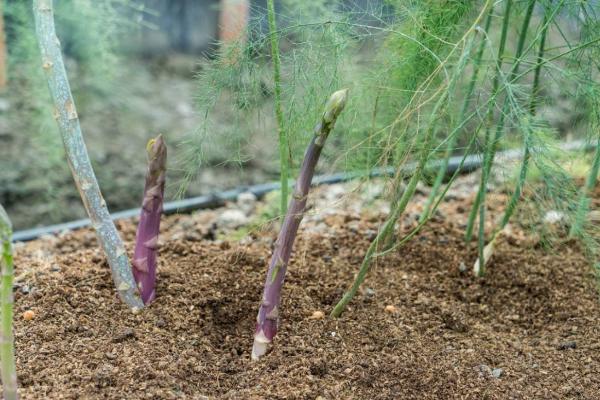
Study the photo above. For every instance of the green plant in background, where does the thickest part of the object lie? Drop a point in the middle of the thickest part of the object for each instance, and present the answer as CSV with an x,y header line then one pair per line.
x,y
7,345
468,96
242,87
438,78
589,67
284,150
488,144
91,32
486,253
424,151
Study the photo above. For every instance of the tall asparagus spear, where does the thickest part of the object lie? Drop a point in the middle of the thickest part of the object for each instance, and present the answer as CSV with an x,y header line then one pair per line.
x,y
268,313
7,345
144,258
77,156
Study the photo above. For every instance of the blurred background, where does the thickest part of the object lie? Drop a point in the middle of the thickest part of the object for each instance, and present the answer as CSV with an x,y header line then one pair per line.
x,y
143,67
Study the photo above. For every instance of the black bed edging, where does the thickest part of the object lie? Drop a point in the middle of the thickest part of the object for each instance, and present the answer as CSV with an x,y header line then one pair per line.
x,y
471,163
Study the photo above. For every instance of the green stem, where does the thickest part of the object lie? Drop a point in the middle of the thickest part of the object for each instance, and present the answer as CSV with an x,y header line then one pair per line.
x,y
284,152
388,229
398,208
382,236
584,197
532,111
495,84
7,341
441,174
416,230
491,148
491,142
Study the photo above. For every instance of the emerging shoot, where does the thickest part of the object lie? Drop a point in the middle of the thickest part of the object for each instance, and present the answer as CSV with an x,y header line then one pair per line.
x,y
268,313
145,255
7,345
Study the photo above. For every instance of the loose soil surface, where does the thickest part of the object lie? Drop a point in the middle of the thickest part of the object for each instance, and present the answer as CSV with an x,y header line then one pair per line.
x,y
529,330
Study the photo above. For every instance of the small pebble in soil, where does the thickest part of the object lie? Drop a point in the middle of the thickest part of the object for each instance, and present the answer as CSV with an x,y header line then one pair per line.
x,y
369,292
161,323
25,289
462,267
554,217
128,333
390,309
246,202
28,315
317,315
497,372
231,219
567,345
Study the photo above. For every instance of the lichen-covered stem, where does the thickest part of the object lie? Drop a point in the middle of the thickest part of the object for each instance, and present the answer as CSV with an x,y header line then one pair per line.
x,y
268,313
77,156
7,345
146,239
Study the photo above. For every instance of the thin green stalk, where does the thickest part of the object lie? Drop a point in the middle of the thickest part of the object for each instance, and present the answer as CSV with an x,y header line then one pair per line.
x,y
584,197
398,209
7,340
491,147
532,111
77,156
495,84
284,154
382,236
441,174
416,230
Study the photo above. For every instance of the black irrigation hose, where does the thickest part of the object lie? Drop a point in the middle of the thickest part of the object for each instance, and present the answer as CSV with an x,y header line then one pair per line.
x,y
472,162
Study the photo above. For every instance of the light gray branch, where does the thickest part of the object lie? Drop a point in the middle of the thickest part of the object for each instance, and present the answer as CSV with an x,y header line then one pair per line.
x,y
65,114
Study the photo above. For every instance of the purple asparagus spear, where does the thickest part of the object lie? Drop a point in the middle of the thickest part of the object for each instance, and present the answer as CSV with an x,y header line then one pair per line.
x,y
268,313
145,255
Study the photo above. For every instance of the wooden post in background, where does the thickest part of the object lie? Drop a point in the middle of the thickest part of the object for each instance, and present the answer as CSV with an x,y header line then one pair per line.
x,y
233,20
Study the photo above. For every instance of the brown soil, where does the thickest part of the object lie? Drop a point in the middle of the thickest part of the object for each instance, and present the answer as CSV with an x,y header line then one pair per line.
x,y
529,330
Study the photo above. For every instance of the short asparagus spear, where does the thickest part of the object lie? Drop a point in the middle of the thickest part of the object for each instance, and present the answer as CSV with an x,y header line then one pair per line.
x,y
7,345
268,314
145,255
77,156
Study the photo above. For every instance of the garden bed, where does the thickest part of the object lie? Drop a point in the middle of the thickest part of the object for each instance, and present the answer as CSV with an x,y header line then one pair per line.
x,y
421,328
